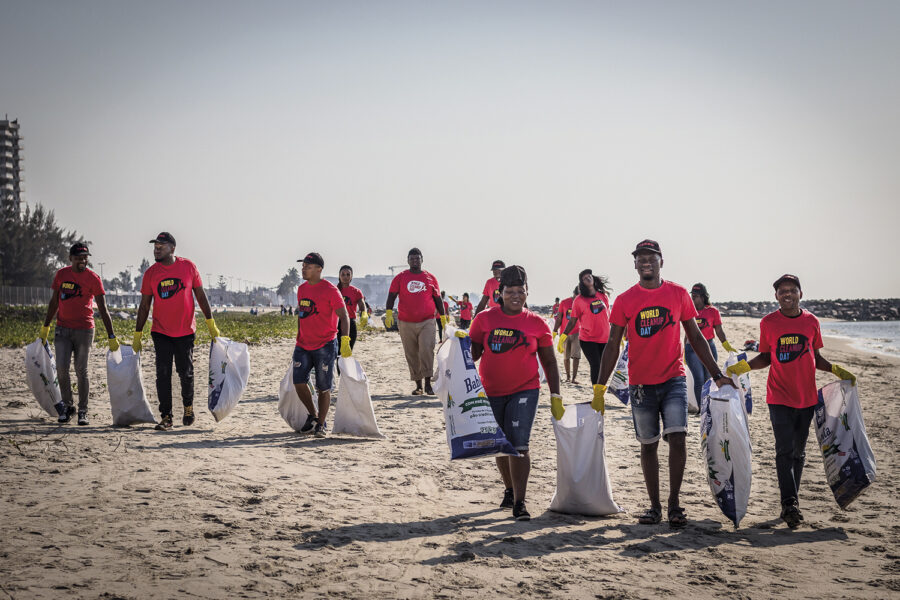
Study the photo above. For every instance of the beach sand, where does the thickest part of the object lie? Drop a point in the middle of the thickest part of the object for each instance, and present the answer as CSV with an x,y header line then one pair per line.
x,y
247,508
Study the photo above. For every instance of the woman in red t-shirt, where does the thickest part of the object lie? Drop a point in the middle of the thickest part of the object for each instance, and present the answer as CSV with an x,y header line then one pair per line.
x,y
710,323
590,311
465,310
353,300
509,340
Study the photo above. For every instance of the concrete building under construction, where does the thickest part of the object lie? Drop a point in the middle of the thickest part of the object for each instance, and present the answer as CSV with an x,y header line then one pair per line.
x,y
11,148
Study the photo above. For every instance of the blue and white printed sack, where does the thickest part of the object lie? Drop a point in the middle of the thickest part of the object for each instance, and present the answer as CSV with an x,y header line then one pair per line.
x,y
471,428
618,384
229,370
846,453
725,443
40,371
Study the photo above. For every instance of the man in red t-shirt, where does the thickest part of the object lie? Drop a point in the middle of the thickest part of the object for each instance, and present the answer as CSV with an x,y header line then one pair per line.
x,y
74,289
789,343
320,309
491,292
571,345
651,311
420,297
170,286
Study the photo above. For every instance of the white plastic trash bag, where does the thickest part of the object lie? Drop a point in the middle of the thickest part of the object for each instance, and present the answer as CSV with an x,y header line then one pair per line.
x,y
229,370
471,428
40,371
354,413
743,380
725,443
618,384
847,455
127,399
289,404
582,481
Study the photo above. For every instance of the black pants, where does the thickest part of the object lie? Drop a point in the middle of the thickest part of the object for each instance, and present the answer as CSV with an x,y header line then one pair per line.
x,y
464,323
182,350
593,351
791,429
440,329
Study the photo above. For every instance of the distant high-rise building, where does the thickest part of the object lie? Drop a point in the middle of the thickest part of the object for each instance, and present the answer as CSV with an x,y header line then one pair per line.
x,y
11,148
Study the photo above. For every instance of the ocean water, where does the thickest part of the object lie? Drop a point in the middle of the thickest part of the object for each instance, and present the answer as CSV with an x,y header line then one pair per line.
x,y
882,337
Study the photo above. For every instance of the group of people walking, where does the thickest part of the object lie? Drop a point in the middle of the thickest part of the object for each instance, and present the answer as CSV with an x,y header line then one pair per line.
x,y
508,341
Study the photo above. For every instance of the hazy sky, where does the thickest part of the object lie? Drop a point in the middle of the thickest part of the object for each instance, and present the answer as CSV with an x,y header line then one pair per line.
x,y
750,140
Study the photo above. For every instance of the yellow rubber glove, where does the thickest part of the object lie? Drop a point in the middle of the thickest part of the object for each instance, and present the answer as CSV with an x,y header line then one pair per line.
x,y
113,344
389,318
728,347
346,352
561,346
443,321
363,319
44,334
843,373
599,402
738,368
555,333
136,342
556,406
461,333
213,330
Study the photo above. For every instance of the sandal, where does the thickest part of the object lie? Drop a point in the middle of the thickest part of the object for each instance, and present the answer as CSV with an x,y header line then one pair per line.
x,y
651,517
418,392
677,518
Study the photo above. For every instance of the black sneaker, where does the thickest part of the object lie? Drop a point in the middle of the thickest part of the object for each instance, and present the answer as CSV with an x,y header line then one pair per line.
x,y
60,411
308,426
82,417
520,512
321,430
507,499
188,418
165,423
791,515
65,415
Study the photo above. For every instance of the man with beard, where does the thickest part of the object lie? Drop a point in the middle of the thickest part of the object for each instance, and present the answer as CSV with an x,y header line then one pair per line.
x,y
170,286
74,289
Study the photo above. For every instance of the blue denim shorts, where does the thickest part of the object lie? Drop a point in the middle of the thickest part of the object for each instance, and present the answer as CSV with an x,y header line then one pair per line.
x,y
320,359
515,416
650,402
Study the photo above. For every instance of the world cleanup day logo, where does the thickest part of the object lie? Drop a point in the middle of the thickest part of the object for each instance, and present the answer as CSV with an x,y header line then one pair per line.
x,y
167,288
69,289
652,320
791,346
503,340
306,307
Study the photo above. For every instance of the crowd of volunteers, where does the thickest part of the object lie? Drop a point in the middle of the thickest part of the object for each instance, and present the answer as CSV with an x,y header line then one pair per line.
x,y
508,341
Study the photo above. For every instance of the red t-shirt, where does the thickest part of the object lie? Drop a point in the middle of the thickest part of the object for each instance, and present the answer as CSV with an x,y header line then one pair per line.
x,y
651,319
555,309
565,310
76,297
509,363
173,298
492,291
593,316
465,311
708,318
352,295
416,292
792,342
317,320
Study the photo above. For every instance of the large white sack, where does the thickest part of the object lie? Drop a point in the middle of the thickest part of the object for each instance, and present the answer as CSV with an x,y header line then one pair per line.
x,y
289,404
618,384
725,443
742,380
847,455
471,428
40,371
127,399
582,481
354,413
692,400
229,370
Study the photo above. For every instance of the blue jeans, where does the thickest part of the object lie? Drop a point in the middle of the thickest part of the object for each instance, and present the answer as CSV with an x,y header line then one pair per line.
x,y
515,416
320,359
698,371
650,402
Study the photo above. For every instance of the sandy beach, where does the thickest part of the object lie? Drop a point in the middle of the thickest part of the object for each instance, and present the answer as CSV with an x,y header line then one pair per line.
x,y
248,508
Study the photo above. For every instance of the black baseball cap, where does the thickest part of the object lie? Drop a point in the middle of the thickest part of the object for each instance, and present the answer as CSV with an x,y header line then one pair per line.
x,y
313,258
787,277
498,264
648,246
79,249
414,252
699,288
164,237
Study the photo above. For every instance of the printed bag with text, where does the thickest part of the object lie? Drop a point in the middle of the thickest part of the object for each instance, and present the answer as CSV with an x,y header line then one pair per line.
x,y
618,383
229,371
